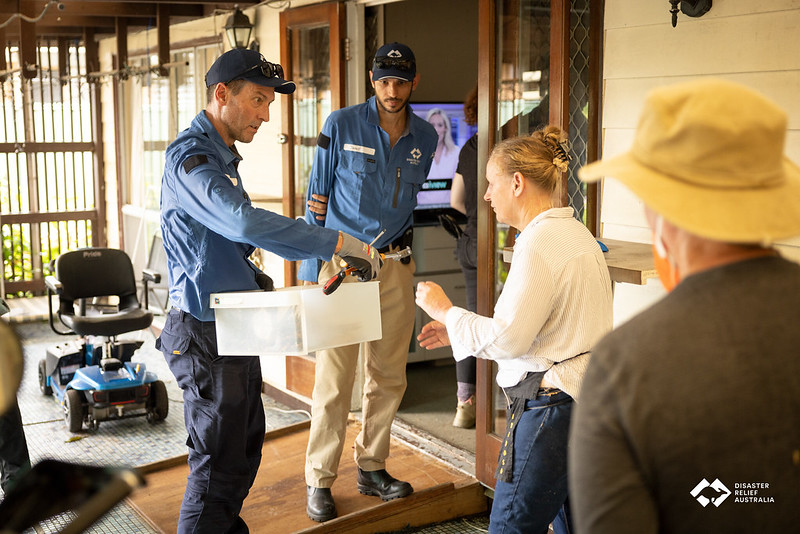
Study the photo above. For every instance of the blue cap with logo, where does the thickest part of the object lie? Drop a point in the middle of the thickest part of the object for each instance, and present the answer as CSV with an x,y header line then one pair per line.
x,y
244,64
394,60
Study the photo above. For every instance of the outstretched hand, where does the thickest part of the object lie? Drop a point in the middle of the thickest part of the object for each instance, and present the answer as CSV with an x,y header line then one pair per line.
x,y
431,298
433,336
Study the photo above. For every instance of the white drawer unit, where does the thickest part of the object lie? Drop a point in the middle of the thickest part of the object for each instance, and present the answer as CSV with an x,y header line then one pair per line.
x,y
435,258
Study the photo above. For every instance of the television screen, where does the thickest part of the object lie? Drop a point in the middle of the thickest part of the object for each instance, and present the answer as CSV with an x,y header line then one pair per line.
x,y
448,120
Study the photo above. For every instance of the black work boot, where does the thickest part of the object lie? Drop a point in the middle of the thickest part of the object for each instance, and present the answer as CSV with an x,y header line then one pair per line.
x,y
319,504
381,484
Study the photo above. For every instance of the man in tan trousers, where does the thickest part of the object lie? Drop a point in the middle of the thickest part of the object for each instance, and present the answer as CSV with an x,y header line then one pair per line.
x,y
371,161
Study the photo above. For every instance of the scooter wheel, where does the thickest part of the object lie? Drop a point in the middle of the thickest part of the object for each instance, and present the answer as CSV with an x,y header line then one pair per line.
x,y
43,386
73,410
159,407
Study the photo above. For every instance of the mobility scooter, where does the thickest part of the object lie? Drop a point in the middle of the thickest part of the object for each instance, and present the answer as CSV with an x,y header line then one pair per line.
x,y
93,377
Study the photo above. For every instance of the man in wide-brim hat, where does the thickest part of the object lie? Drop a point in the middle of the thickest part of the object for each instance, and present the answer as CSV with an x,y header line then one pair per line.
x,y
688,413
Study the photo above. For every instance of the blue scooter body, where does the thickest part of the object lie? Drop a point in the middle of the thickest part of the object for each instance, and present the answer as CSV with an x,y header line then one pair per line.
x,y
128,376
93,389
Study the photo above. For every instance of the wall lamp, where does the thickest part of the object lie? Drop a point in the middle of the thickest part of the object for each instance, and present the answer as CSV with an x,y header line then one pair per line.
x,y
691,8
238,29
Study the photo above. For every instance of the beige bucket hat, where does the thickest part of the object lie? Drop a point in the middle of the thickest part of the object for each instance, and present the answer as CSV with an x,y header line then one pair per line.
x,y
708,156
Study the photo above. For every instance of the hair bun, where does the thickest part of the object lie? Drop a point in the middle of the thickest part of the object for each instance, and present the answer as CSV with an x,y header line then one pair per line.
x,y
561,164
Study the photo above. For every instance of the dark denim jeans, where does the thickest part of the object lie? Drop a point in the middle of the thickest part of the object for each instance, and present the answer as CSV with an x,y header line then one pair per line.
x,y
537,494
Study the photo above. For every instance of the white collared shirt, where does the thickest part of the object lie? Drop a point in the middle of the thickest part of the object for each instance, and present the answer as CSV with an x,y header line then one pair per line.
x,y
555,305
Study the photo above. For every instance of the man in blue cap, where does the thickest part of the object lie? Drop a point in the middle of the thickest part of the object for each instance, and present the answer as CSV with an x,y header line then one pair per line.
x,y
210,228
370,162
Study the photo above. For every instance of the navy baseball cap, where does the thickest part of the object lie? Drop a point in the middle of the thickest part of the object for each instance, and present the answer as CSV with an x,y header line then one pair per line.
x,y
394,60
244,64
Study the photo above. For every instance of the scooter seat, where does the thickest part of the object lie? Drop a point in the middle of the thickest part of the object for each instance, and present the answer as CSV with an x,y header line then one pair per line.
x,y
111,324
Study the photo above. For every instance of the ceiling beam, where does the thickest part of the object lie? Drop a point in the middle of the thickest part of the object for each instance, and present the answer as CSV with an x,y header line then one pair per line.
x,y
101,9
71,17
128,8
162,32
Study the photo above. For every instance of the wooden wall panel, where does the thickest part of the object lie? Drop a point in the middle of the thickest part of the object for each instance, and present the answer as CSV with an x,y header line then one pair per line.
x,y
300,375
627,13
705,46
624,97
749,43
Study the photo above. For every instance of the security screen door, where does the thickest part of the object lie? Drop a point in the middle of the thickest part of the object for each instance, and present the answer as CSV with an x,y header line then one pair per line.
x,y
537,65
311,56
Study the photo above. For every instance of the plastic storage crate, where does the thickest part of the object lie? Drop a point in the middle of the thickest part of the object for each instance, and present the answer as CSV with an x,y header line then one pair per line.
x,y
296,320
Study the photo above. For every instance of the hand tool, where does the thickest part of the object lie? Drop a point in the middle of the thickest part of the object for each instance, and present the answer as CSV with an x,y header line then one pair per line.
x,y
332,284
336,280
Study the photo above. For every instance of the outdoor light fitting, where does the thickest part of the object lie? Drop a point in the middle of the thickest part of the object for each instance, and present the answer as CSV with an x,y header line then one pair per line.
x,y
690,8
238,29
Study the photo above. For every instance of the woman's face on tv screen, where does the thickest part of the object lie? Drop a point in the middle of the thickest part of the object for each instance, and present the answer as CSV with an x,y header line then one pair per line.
x,y
438,123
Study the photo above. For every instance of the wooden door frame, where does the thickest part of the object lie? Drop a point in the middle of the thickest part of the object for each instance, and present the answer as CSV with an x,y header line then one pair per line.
x,y
488,443
332,14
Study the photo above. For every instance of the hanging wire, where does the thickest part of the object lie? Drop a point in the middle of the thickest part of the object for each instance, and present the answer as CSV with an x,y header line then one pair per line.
x,y
276,4
26,18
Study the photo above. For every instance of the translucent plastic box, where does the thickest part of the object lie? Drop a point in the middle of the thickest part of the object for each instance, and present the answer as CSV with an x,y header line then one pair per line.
x,y
296,320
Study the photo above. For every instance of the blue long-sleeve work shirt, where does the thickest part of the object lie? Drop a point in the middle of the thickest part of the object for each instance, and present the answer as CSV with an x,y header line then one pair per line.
x,y
210,227
370,185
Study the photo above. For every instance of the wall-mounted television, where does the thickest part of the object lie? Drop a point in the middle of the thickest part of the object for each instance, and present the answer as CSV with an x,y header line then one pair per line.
x,y
435,195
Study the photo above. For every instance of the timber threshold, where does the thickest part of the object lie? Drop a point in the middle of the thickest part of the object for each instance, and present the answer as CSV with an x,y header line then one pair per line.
x,y
277,500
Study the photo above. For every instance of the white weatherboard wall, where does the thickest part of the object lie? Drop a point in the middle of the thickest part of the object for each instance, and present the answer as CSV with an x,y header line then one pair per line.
x,y
753,43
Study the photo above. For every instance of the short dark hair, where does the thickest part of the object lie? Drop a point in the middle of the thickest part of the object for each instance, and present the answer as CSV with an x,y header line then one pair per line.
x,y
235,87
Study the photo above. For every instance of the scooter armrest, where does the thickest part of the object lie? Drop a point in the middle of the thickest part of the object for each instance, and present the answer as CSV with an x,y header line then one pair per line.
x,y
53,284
150,275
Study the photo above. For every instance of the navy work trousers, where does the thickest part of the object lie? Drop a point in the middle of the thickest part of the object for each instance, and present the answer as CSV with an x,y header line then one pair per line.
x,y
225,421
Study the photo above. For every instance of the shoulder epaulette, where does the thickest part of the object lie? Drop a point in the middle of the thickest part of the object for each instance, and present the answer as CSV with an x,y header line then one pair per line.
x,y
194,161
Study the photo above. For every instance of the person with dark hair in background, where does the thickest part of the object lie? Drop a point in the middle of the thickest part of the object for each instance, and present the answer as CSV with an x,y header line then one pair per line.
x,y
370,163
554,306
464,198
210,228
688,420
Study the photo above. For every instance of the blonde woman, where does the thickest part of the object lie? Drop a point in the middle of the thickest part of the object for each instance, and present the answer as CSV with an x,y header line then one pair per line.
x,y
555,304
446,159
